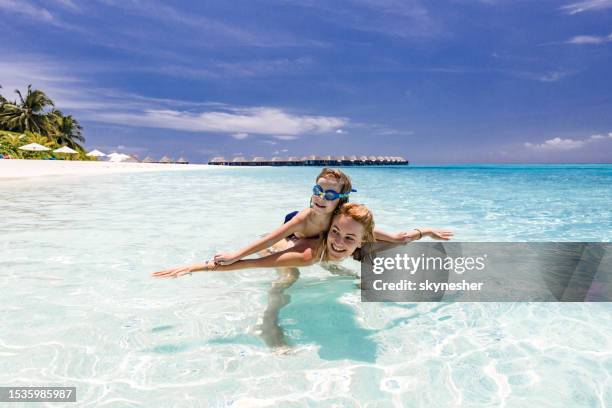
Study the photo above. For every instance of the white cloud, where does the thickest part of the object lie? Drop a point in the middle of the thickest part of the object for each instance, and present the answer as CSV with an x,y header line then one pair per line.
x,y
259,120
589,39
588,5
552,76
68,4
285,137
340,131
28,9
565,144
82,98
557,144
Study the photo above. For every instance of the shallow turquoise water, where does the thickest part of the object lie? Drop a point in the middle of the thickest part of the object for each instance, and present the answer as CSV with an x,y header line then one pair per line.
x,y
79,307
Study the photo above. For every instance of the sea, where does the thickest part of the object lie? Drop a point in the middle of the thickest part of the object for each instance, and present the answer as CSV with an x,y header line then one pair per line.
x,y
79,306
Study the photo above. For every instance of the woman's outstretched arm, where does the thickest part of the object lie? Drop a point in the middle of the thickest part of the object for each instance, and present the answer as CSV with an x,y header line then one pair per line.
x,y
413,235
270,239
302,254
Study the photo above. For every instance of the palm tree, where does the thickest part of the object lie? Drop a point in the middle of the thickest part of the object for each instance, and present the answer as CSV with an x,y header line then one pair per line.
x,y
46,141
2,99
29,114
10,142
68,131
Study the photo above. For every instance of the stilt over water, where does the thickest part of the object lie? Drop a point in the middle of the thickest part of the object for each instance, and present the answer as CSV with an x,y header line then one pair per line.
x,y
312,161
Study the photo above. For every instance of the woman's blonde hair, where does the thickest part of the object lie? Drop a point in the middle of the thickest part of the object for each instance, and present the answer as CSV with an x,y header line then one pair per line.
x,y
339,176
363,216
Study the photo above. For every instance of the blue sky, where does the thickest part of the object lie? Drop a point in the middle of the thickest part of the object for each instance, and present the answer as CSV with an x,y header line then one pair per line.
x,y
434,81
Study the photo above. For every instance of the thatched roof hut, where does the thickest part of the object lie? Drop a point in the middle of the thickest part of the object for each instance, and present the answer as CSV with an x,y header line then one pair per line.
x,y
182,160
148,159
259,161
217,160
165,160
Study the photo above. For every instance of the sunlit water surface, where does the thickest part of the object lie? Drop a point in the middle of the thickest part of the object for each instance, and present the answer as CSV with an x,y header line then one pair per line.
x,y
79,307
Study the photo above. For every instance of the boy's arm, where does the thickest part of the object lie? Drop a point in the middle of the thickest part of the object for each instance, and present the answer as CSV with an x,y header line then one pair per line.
x,y
270,239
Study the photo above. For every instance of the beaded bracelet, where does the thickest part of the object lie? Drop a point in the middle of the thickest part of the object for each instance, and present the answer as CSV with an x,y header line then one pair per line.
x,y
420,233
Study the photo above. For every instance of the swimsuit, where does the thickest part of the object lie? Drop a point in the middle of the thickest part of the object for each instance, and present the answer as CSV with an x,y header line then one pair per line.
x,y
288,218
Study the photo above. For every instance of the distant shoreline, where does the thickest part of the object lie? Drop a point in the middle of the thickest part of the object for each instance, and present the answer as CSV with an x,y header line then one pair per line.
x,y
16,169
24,169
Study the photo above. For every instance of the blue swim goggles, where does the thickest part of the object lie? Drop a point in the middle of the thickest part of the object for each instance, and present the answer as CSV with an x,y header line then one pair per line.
x,y
330,195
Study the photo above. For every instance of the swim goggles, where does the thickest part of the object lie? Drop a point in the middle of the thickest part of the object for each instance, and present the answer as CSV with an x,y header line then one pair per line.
x,y
330,195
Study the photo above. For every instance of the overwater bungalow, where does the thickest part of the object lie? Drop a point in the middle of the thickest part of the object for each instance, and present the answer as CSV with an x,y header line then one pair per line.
x,y
218,161
239,161
293,161
182,160
312,160
148,159
259,161
279,161
165,160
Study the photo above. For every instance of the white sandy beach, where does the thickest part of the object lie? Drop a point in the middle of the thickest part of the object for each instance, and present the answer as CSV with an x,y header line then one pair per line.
x,y
18,169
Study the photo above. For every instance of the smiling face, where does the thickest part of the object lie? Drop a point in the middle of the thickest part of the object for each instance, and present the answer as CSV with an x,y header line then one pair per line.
x,y
344,237
320,204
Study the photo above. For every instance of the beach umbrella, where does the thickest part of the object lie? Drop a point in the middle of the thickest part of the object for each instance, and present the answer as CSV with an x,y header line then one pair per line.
x,y
117,157
95,153
34,147
66,150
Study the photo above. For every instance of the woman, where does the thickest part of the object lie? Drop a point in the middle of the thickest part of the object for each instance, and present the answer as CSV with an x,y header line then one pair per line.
x,y
332,189
351,227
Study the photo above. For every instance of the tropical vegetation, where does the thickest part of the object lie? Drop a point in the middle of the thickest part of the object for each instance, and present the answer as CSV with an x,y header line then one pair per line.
x,y
33,118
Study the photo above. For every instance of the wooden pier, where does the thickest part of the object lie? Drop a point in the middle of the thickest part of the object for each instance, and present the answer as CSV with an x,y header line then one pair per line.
x,y
319,161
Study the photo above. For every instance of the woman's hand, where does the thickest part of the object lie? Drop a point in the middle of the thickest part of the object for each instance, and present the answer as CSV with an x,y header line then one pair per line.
x,y
439,234
173,272
226,258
